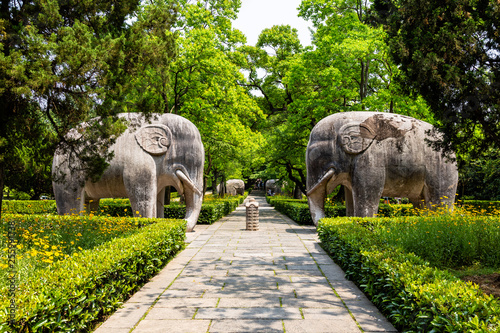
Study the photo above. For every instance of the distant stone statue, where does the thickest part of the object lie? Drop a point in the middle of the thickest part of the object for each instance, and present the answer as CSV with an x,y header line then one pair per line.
x,y
376,155
272,187
167,151
234,187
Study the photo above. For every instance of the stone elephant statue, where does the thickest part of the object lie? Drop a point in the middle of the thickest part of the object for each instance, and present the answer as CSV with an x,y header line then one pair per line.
x,y
148,156
375,154
273,186
234,187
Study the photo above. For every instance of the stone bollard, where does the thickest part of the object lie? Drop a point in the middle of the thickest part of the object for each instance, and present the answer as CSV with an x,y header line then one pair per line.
x,y
252,214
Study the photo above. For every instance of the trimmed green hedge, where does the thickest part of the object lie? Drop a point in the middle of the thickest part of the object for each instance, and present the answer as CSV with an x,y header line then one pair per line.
x,y
76,293
414,296
29,207
211,210
299,212
481,207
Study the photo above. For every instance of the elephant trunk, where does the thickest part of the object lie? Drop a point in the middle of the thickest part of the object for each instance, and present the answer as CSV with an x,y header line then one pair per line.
x,y
193,208
317,206
316,197
194,199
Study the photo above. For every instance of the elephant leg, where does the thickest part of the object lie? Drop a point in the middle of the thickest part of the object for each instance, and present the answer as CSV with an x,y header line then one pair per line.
x,y
141,190
160,204
69,199
349,203
367,191
441,198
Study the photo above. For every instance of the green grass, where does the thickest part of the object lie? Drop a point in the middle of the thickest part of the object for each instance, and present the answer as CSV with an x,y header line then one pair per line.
x,y
448,241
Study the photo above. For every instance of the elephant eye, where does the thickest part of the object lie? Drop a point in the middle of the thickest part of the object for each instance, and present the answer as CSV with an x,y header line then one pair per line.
x,y
355,139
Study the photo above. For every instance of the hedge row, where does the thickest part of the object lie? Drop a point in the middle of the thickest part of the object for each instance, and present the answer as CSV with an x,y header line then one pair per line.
x,y
481,207
211,211
414,296
299,212
74,294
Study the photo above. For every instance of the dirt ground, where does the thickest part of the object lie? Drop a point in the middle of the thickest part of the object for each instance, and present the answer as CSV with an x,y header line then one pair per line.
x,y
490,284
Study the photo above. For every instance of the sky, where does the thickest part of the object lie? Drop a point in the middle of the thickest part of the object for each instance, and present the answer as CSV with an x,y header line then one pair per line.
x,y
257,15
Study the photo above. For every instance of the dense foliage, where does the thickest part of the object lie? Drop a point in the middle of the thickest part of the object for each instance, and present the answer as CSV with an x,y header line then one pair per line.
x,y
254,105
62,63
449,53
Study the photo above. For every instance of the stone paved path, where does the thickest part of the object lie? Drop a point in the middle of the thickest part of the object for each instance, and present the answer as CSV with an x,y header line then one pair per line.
x,y
277,279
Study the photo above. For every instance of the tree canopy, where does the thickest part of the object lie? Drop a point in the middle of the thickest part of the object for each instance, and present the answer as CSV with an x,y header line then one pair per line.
x,y
449,52
64,63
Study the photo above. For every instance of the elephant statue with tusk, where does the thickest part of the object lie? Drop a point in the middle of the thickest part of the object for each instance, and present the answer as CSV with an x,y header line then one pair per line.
x,y
234,187
151,154
375,154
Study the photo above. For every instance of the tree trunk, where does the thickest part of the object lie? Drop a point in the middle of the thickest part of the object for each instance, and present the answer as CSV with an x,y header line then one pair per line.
x,y
297,193
2,184
222,192
340,196
214,183
204,185
168,191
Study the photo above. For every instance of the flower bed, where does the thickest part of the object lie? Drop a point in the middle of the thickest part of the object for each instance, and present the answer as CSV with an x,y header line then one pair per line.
x,y
74,293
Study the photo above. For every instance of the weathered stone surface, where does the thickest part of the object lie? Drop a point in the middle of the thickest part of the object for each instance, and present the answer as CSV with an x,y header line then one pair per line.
x,y
172,326
337,325
246,325
375,154
150,155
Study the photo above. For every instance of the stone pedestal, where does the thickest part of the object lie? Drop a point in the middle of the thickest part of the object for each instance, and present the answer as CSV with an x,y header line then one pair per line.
x,y
252,214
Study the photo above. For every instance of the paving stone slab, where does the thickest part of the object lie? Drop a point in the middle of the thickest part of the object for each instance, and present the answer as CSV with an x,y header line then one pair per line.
x,y
337,313
246,325
310,302
262,293
369,317
159,313
192,302
248,313
321,326
125,317
269,302
172,326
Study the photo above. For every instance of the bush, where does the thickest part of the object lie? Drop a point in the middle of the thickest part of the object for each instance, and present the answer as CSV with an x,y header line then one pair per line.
x,y
43,239
73,294
480,207
29,207
298,210
414,296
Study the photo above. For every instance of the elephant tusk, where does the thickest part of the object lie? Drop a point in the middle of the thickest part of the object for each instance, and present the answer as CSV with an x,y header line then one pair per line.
x,y
186,181
326,177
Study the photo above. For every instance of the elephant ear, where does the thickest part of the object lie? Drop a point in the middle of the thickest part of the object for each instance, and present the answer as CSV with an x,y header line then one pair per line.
x,y
155,139
356,138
